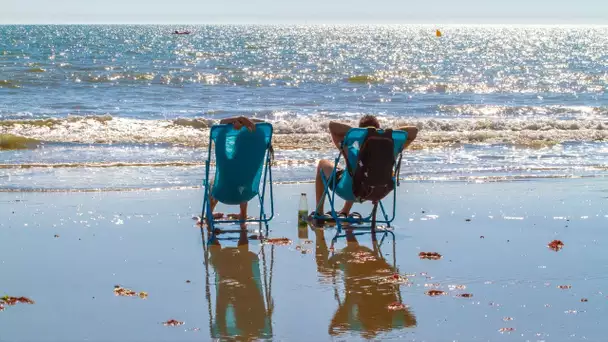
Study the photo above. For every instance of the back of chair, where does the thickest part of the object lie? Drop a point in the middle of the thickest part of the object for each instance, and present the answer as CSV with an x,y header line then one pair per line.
x,y
371,156
239,156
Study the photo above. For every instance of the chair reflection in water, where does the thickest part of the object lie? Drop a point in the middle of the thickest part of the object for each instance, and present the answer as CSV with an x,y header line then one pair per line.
x,y
242,279
367,295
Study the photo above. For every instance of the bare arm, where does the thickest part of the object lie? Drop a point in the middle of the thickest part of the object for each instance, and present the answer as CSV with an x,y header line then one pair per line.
x,y
412,132
338,132
241,121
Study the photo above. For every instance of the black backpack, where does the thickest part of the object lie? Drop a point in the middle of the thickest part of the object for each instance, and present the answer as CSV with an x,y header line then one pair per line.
x,y
373,177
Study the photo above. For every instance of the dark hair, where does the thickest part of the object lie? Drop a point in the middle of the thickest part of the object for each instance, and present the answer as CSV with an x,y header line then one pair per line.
x,y
369,121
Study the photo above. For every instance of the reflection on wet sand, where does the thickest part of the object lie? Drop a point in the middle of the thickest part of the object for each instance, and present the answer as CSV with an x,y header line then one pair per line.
x,y
364,306
243,303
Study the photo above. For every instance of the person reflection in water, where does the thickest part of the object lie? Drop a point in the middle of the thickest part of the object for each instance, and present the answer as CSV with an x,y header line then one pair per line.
x,y
364,306
240,311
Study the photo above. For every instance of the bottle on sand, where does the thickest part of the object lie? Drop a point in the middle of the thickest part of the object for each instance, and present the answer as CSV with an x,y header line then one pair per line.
x,y
303,213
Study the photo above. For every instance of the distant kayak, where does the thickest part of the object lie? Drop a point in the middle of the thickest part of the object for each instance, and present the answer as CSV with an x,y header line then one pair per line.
x,y
181,32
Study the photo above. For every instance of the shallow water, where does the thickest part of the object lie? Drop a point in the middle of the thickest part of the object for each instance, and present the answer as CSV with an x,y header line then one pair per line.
x,y
147,241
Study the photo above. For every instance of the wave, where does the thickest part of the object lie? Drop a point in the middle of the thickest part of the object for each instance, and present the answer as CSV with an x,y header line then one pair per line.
x,y
288,162
519,111
36,69
294,131
13,142
109,78
463,179
400,82
364,79
9,84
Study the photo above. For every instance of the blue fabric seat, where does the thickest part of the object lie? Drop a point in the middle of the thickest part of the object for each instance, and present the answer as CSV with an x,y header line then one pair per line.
x,y
243,162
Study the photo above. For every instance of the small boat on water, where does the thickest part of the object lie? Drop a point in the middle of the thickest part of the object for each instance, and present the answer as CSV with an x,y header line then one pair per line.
x,y
181,32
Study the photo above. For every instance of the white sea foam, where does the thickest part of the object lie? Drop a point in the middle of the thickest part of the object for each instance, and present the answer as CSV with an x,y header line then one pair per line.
x,y
299,131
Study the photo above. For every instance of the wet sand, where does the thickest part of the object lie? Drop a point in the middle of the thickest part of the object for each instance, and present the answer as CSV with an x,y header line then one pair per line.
x,y
67,251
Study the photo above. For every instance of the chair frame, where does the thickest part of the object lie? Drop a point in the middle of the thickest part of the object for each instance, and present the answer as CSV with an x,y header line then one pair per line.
x,y
207,213
365,222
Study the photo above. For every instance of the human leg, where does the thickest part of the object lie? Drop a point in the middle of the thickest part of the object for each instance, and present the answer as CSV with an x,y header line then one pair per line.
x,y
324,168
348,205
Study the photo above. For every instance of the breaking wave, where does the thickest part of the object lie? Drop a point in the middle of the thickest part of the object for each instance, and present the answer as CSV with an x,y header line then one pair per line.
x,y
13,142
295,131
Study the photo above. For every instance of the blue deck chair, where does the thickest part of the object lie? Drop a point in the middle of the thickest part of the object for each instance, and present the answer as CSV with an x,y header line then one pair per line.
x,y
354,143
242,159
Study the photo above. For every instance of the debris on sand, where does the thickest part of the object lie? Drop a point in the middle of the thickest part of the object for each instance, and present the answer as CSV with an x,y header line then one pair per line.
x,y
173,323
556,245
12,301
429,255
434,293
465,295
124,292
457,287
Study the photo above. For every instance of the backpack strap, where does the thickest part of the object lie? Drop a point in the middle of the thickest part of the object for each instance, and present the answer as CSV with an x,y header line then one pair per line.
x,y
398,169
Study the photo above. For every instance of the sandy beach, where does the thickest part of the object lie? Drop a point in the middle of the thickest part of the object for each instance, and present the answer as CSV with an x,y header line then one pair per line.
x,y
68,251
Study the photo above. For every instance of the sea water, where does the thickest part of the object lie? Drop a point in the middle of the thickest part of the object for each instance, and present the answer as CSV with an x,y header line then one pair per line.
x,y
128,107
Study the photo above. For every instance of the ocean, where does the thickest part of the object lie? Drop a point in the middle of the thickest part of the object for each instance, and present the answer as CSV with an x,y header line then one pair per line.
x,y
112,107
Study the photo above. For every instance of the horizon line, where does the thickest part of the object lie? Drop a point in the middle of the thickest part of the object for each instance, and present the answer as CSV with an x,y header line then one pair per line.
x,y
299,24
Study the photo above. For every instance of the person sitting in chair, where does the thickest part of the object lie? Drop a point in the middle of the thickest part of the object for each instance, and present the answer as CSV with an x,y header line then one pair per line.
x,y
238,123
325,167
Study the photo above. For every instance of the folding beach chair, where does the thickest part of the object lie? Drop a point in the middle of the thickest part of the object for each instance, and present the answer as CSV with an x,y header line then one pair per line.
x,y
373,160
242,160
